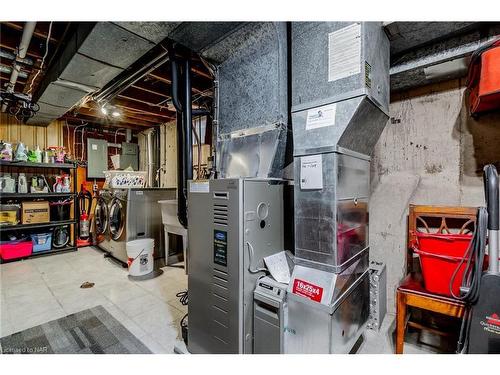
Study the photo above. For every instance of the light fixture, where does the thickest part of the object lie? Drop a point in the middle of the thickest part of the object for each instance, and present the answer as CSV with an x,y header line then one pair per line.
x,y
115,113
104,110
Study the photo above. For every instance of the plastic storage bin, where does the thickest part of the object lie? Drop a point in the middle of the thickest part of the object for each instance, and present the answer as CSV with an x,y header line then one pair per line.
x,y
440,255
41,242
15,249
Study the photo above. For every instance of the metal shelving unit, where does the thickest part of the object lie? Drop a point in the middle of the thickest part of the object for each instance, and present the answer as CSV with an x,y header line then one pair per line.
x,y
27,164
35,195
11,228
19,167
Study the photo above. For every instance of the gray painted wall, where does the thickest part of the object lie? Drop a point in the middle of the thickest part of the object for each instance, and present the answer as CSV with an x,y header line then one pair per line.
x,y
434,155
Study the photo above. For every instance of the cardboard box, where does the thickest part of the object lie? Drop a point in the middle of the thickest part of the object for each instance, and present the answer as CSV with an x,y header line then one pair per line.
x,y
35,212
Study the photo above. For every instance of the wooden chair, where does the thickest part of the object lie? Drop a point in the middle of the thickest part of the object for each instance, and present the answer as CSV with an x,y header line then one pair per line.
x,y
411,291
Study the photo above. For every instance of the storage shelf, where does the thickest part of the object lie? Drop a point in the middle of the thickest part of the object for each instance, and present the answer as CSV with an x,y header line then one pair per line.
x,y
53,251
70,168
10,228
43,253
26,164
34,195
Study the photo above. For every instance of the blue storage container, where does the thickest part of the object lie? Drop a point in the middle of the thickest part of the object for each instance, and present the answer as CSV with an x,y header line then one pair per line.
x,y
41,242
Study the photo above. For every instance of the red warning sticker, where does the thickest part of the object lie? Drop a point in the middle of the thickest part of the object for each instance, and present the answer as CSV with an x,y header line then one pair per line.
x,y
308,290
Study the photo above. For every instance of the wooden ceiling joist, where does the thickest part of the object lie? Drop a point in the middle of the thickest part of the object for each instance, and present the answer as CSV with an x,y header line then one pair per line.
x,y
37,33
126,116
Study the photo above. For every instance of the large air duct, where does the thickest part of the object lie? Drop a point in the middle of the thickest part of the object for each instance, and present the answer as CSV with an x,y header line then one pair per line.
x,y
340,97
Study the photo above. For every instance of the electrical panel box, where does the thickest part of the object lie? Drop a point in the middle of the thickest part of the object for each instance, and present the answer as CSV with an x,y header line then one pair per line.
x,y
97,157
129,156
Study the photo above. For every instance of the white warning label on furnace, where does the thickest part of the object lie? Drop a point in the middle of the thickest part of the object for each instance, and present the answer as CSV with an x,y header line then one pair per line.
x,y
321,117
199,187
311,172
344,52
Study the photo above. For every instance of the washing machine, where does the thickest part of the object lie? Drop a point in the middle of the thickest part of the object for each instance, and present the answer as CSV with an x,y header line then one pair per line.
x,y
134,214
101,217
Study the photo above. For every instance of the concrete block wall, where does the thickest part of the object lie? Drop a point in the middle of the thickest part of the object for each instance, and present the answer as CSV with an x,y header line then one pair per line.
x,y
431,152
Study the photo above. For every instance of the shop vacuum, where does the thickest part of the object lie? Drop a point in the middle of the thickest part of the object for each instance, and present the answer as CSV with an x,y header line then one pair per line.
x,y
480,332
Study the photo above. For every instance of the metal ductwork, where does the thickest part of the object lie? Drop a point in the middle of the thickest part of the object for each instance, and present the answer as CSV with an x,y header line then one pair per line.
x,y
252,101
29,29
424,53
340,99
93,56
339,109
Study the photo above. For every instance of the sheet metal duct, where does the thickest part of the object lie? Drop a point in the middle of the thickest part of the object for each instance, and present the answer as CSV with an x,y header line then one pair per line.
x,y
95,54
424,53
340,99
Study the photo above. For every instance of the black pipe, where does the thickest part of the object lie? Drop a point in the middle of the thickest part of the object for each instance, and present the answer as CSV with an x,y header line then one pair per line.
x,y
175,81
181,176
188,119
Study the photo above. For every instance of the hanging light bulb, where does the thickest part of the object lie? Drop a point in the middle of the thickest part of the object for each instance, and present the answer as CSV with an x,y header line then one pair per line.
x,y
115,113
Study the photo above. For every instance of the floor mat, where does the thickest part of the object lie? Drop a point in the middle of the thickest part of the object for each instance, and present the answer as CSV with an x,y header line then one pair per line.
x,y
89,331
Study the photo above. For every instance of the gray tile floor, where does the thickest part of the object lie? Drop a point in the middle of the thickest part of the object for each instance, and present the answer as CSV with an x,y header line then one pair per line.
x,y
39,290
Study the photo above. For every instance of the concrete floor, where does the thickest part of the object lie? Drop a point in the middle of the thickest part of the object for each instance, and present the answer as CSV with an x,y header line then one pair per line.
x,y
42,289
39,290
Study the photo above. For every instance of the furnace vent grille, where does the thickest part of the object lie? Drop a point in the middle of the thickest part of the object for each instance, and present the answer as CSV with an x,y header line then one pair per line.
x,y
220,214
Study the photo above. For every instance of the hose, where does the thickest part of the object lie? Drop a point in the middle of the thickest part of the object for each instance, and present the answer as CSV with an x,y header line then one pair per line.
x,y
473,259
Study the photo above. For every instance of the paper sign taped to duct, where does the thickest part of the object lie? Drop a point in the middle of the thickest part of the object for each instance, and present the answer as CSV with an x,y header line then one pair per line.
x,y
321,117
277,265
311,172
344,52
199,187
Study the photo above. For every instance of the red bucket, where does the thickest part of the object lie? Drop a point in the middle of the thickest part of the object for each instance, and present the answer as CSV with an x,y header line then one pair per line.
x,y
440,255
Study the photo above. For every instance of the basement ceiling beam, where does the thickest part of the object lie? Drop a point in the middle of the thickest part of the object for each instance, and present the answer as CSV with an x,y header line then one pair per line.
x,y
146,109
169,82
101,121
14,48
37,33
126,114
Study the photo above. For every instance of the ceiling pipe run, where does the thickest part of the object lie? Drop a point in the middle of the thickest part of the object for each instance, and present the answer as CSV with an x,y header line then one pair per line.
x,y
29,29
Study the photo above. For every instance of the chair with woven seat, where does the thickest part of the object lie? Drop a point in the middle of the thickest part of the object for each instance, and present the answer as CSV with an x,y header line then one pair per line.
x,y
411,291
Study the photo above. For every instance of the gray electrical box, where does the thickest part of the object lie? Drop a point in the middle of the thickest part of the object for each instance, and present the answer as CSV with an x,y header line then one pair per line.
x,y
97,157
129,156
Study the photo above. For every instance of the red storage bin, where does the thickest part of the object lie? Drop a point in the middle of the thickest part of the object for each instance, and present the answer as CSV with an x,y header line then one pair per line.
x,y
440,255
15,249
483,78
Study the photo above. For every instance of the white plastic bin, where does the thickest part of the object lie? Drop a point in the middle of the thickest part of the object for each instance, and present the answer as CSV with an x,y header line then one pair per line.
x,y
140,256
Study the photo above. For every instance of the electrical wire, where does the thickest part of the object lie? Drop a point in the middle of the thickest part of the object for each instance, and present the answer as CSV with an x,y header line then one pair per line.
x,y
67,138
183,297
43,58
473,259
83,133
116,133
